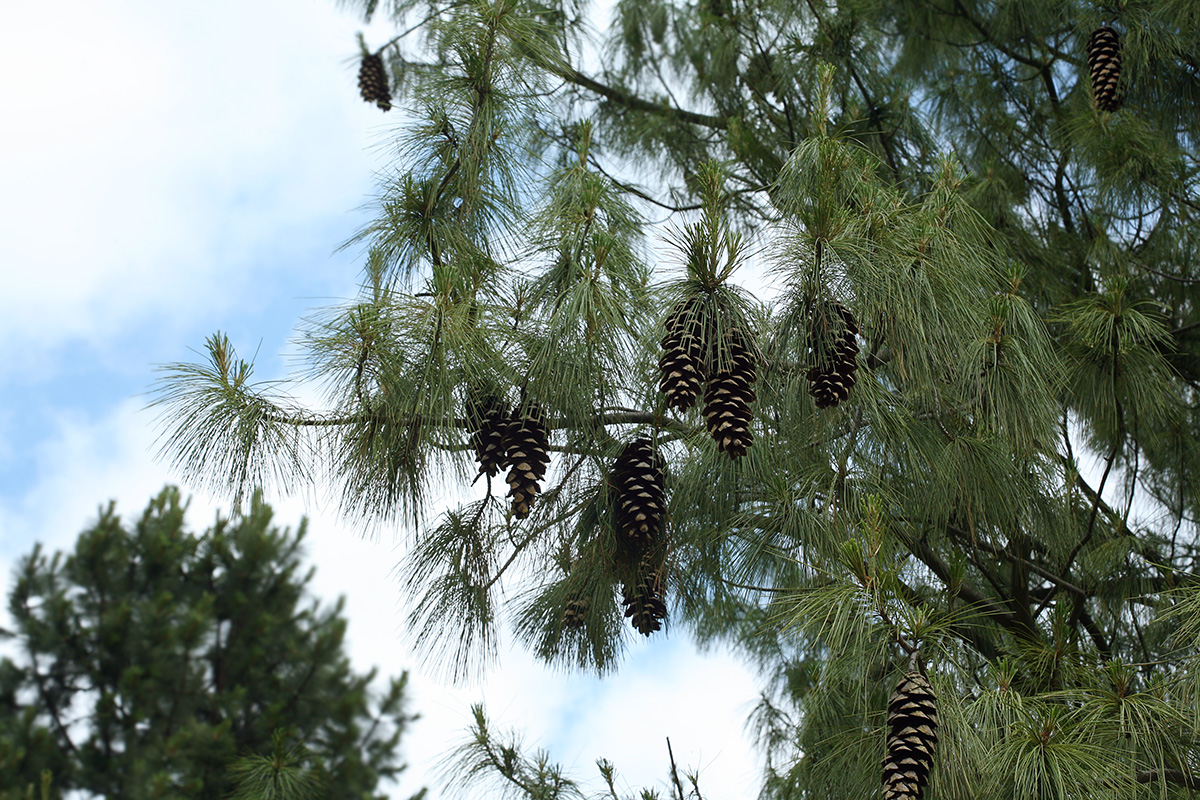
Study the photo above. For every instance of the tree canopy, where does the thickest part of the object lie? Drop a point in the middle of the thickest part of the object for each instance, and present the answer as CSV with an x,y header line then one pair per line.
x,y
860,334
152,661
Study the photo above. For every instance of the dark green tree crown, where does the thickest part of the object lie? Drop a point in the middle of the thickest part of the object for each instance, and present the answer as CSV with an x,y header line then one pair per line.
x,y
151,658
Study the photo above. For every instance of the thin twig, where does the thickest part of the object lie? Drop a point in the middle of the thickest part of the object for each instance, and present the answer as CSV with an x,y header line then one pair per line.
x,y
674,772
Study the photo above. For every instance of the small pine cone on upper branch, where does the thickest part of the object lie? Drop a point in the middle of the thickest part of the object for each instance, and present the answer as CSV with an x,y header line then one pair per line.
x,y
1104,68
489,421
640,499
373,82
728,397
528,443
682,361
912,734
643,601
833,341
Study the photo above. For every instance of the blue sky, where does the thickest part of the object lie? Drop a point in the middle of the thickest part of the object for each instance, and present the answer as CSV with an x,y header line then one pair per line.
x,y
171,170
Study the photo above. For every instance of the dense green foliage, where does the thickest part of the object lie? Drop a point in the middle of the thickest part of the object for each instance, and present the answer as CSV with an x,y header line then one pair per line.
x,y
1011,487
151,660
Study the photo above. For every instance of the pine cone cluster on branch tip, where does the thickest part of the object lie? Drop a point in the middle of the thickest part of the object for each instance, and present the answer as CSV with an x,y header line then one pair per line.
x,y
912,735
373,82
728,397
489,421
1104,68
832,339
637,479
527,444
643,601
682,361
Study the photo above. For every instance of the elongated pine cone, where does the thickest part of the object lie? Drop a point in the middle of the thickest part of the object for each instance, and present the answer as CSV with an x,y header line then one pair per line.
x,y
834,346
643,601
373,82
912,735
1104,68
682,361
489,420
728,397
637,479
527,444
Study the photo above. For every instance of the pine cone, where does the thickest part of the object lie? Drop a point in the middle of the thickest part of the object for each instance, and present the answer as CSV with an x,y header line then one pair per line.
x,y
1104,67
644,605
832,339
637,479
728,397
527,442
489,420
373,82
575,613
912,734
682,362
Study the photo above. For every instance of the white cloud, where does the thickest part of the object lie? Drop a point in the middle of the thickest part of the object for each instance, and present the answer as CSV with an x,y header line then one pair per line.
x,y
159,152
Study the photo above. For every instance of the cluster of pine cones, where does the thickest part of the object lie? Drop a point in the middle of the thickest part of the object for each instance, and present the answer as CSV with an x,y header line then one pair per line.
x,y
640,510
519,443
691,362
912,734
832,339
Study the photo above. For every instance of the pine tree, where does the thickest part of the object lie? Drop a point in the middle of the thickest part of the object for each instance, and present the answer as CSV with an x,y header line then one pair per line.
x,y
150,659
927,208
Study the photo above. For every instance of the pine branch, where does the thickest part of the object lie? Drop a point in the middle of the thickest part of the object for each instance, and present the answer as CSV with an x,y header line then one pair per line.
x,y
47,701
674,772
1175,776
636,103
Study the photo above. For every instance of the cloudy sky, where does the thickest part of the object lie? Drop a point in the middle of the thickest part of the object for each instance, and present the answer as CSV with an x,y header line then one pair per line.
x,y
171,170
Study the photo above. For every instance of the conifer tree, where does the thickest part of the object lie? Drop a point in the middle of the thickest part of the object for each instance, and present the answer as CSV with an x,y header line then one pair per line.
x,y
152,662
956,245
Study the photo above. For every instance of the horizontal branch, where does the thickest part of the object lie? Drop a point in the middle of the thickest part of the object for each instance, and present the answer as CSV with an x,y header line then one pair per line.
x,y
1176,776
624,417
632,101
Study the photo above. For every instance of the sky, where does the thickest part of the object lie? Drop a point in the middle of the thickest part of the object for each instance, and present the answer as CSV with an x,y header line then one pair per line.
x,y
172,170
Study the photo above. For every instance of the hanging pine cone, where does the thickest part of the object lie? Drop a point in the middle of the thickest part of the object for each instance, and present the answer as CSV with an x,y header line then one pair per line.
x,y
373,82
728,397
643,601
912,734
637,480
682,362
489,420
832,339
1104,67
575,613
528,441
